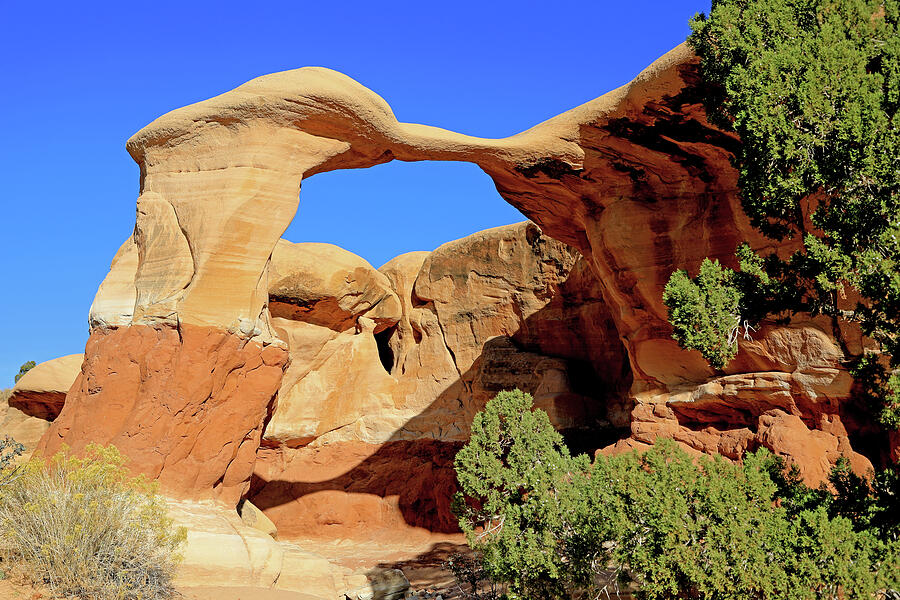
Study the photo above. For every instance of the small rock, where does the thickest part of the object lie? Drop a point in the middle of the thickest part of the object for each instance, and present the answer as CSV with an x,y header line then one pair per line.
x,y
390,584
251,516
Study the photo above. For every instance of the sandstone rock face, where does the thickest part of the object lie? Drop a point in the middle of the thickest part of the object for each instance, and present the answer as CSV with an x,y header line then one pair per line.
x,y
223,552
396,491
23,428
362,437
447,348
41,392
185,405
328,286
204,306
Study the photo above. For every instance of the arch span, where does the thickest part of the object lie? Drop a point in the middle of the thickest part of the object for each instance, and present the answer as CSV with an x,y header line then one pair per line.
x,y
183,362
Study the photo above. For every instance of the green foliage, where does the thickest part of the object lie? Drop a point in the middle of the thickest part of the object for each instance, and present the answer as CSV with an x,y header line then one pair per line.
x,y
24,369
705,311
86,528
555,526
813,89
881,388
707,528
518,471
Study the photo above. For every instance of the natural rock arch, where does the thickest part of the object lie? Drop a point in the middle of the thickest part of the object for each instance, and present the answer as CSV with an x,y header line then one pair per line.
x,y
183,360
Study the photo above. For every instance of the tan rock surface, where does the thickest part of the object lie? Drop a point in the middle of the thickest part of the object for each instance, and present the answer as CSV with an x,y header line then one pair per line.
x,y
449,350
223,553
361,440
113,304
345,388
255,518
326,285
41,392
486,284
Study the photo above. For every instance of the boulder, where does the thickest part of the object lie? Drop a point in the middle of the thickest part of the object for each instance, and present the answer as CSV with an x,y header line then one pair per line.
x,y
325,285
21,427
255,518
223,552
41,392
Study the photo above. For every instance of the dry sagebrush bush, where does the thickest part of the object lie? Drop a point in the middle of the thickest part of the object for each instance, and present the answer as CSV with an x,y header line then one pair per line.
x,y
85,527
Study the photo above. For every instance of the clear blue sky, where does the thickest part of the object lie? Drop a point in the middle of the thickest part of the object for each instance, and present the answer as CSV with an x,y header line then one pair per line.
x,y
79,78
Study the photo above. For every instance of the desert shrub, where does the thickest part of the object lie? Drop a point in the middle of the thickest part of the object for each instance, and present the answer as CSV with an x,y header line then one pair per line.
x,y
24,369
519,503
10,449
676,526
682,526
472,582
85,527
704,312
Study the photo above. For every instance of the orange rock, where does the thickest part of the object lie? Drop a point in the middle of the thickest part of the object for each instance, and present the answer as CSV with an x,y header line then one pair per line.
x,y
185,405
393,491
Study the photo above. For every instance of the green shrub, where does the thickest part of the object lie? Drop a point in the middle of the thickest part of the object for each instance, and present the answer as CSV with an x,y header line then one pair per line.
x,y
24,369
813,89
517,470
85,527
704,312
678,526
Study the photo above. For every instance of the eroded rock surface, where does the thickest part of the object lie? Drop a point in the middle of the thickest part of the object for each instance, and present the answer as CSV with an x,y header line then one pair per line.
x,y
41,392
623,190
363,433
185,405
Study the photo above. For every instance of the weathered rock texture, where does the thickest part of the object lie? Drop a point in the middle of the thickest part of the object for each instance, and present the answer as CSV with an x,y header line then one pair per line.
x,y
224,552
203,304
186,405
20,426
41,392
378,398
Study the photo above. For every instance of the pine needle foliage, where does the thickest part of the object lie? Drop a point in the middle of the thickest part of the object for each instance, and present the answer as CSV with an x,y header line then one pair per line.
x,y
24,369
549,525
813,89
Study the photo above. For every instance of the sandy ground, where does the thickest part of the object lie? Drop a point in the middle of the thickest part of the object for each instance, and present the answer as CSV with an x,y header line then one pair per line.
x,y
240,593
421,563
19,591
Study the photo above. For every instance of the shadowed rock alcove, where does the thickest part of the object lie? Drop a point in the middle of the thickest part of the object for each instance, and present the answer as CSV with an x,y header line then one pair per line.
x,y
388,366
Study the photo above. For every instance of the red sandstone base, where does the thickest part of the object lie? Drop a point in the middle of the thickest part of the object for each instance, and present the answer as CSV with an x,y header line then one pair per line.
x,y
186,405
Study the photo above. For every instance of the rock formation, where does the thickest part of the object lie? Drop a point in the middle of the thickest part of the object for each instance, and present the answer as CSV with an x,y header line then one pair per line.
x,y
378,397
211,337
41,392
28,408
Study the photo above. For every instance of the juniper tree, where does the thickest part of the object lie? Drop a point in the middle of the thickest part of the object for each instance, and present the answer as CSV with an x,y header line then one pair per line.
x,y
813,88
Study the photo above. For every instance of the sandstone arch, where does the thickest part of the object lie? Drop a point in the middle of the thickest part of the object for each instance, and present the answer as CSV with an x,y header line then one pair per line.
x,y
183,360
